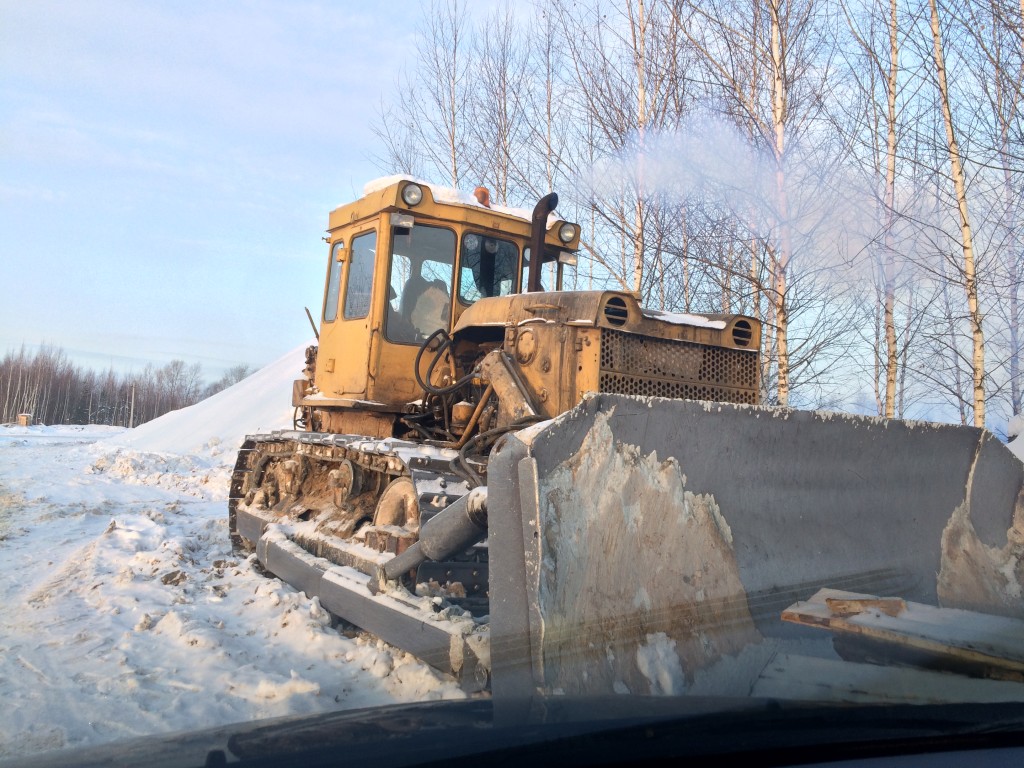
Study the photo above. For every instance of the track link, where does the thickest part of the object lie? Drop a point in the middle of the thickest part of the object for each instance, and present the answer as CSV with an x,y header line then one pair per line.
x,y
285,478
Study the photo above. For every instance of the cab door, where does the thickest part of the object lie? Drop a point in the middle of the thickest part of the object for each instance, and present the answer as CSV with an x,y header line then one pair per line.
x,y
346,331
418,284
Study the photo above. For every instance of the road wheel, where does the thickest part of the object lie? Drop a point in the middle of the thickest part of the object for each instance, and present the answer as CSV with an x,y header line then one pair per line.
x,y
398,505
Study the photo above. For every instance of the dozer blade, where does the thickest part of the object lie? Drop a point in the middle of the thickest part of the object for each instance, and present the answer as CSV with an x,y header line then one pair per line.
x,y
454,646
635,542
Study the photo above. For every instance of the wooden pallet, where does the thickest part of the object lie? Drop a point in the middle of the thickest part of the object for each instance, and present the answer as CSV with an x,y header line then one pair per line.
x,y
892,631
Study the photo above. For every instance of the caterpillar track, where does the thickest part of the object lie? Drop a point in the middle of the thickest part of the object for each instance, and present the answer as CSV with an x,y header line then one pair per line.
x,y
326,512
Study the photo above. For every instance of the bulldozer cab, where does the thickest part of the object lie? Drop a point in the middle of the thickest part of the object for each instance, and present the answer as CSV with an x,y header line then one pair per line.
x,y
405,261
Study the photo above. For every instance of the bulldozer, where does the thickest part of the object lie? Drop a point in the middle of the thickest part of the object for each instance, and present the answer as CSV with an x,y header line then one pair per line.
x,y
536,489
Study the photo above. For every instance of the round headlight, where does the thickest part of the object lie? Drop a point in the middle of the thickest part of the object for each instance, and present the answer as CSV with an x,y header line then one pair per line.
x,y
412,194
567,232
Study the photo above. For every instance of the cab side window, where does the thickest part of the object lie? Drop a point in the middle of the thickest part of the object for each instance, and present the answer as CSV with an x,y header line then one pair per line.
x,y
359,286
333,284
550,273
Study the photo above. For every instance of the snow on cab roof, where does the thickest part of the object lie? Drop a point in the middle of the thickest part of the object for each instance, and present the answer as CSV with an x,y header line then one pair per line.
x,y
679,318
450,196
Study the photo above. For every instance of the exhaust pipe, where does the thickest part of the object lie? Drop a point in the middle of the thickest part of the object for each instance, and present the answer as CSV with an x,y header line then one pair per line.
x,y
539,228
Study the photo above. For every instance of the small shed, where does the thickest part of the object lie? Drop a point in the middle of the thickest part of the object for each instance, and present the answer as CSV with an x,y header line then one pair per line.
x,y
24,419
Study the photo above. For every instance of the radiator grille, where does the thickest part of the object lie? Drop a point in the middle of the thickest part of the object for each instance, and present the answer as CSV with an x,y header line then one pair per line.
x,y
649,367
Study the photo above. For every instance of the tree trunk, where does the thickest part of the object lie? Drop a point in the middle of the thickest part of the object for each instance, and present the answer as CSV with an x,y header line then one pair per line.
x,y
960,189
891,353
784,252
639,30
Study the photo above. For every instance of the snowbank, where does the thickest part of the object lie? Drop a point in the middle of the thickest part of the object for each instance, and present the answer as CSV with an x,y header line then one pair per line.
x,y
1016,445
215,427
124,611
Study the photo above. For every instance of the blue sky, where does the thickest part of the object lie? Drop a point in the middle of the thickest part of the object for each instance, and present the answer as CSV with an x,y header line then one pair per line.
x,y
167,168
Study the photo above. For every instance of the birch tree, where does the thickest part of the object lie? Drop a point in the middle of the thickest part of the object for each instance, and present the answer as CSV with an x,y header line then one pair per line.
x,y
426,131
970,277
880,54
624,59
765,64
497,133
995,31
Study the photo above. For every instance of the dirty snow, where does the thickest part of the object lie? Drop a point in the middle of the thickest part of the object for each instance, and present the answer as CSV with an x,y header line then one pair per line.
x,y
123,611
646,515
658,661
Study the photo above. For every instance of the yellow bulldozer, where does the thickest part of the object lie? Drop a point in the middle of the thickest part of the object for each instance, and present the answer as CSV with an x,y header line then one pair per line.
x,y
536,489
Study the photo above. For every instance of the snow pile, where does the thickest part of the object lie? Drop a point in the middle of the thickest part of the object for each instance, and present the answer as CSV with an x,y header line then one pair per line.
x,y
124,612
1016,445
659,662
215,427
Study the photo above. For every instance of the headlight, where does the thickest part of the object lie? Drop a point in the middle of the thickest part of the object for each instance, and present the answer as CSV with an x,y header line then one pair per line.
x,y
412,194
567,232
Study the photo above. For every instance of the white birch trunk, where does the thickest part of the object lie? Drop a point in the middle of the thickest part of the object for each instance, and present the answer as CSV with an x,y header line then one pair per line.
x,y
960,190
784,252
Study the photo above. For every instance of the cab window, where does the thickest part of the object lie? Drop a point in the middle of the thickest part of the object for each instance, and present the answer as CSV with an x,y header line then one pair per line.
x,y
360,275
333,283
553,272
420,282
488,267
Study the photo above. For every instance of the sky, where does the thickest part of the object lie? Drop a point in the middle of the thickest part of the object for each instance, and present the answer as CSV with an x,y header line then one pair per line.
x,y
167,170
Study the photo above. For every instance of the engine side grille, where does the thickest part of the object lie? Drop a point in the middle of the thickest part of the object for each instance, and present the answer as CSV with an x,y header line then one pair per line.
x,y
651,367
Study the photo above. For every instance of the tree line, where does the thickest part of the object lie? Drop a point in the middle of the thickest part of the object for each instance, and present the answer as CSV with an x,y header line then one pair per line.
x,y
47,385
847,172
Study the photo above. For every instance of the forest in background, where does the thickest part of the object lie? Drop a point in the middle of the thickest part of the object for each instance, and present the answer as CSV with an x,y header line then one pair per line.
x,y
47,385
847,172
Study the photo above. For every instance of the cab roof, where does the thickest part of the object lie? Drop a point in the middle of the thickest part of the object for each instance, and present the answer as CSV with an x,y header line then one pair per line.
x,y
440,202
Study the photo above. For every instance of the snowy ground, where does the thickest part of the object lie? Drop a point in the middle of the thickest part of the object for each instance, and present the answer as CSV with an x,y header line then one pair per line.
x,y
123,611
